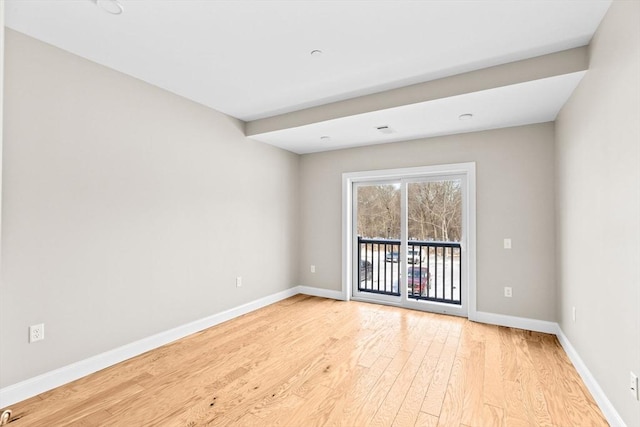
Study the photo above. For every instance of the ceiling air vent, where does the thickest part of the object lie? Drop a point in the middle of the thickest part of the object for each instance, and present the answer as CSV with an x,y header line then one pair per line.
x,y
384,129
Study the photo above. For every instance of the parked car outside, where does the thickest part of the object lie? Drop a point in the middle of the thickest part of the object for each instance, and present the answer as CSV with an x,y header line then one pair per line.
x,y
418,280
414,256
393,256
417,283
366,270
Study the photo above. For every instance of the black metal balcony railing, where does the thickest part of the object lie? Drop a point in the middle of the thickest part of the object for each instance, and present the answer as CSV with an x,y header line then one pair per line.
x,y
433,269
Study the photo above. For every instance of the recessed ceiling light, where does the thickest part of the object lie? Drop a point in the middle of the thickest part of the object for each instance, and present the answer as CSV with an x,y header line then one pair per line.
x,y
316,52
110,6
467,116
325,138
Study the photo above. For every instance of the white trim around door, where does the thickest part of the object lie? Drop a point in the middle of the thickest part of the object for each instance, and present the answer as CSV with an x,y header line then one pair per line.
x,y
465,170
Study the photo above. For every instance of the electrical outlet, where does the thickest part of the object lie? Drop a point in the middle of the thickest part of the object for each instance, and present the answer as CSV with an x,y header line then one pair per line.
x,y
507,243
36,332
508,292
633,385
313,268
238,282
573,314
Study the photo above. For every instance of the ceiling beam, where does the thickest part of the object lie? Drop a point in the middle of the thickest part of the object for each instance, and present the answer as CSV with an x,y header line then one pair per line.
x,y
540,67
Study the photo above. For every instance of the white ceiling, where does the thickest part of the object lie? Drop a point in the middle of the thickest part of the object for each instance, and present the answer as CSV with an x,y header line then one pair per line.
x,y
251,59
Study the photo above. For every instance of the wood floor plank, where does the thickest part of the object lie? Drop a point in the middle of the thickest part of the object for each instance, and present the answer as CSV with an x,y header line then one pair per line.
x,y
234,398
517,422
472,404
493,388
319,405
514,408
450,413
329,368
76,409
375,345
357,393
312,361
380,390
491,416
566,396
250,420
313,410
332,410
508,363
426,420
94,419
387,412
410,406
287,394
434,398
534,400
410,409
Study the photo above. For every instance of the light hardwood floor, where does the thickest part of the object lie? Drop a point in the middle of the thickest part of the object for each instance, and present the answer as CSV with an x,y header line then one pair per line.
x,y
309,361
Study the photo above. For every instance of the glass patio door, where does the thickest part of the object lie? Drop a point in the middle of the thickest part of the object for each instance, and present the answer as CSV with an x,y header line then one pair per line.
x,y
434,235
408,242
378,229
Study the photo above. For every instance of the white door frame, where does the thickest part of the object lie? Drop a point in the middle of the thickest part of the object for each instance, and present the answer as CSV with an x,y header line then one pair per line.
x,y
465,170
365,296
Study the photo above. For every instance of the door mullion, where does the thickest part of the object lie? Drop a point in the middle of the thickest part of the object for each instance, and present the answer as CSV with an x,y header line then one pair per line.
x,y
404,232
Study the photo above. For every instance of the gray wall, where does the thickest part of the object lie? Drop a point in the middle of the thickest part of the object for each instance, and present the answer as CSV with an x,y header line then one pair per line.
x,y
598,209
515,198
127,210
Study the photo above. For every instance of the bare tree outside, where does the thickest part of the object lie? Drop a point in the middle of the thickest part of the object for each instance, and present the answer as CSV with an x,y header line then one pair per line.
x,y
434,210
379,211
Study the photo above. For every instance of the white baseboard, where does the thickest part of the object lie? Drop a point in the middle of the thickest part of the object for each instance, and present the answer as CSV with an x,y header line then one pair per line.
x,y
52,379
610,413
319,292
515,322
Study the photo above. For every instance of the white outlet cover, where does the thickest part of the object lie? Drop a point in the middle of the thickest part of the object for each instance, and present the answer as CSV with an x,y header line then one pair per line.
x,y
508,292
507,243
36,332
